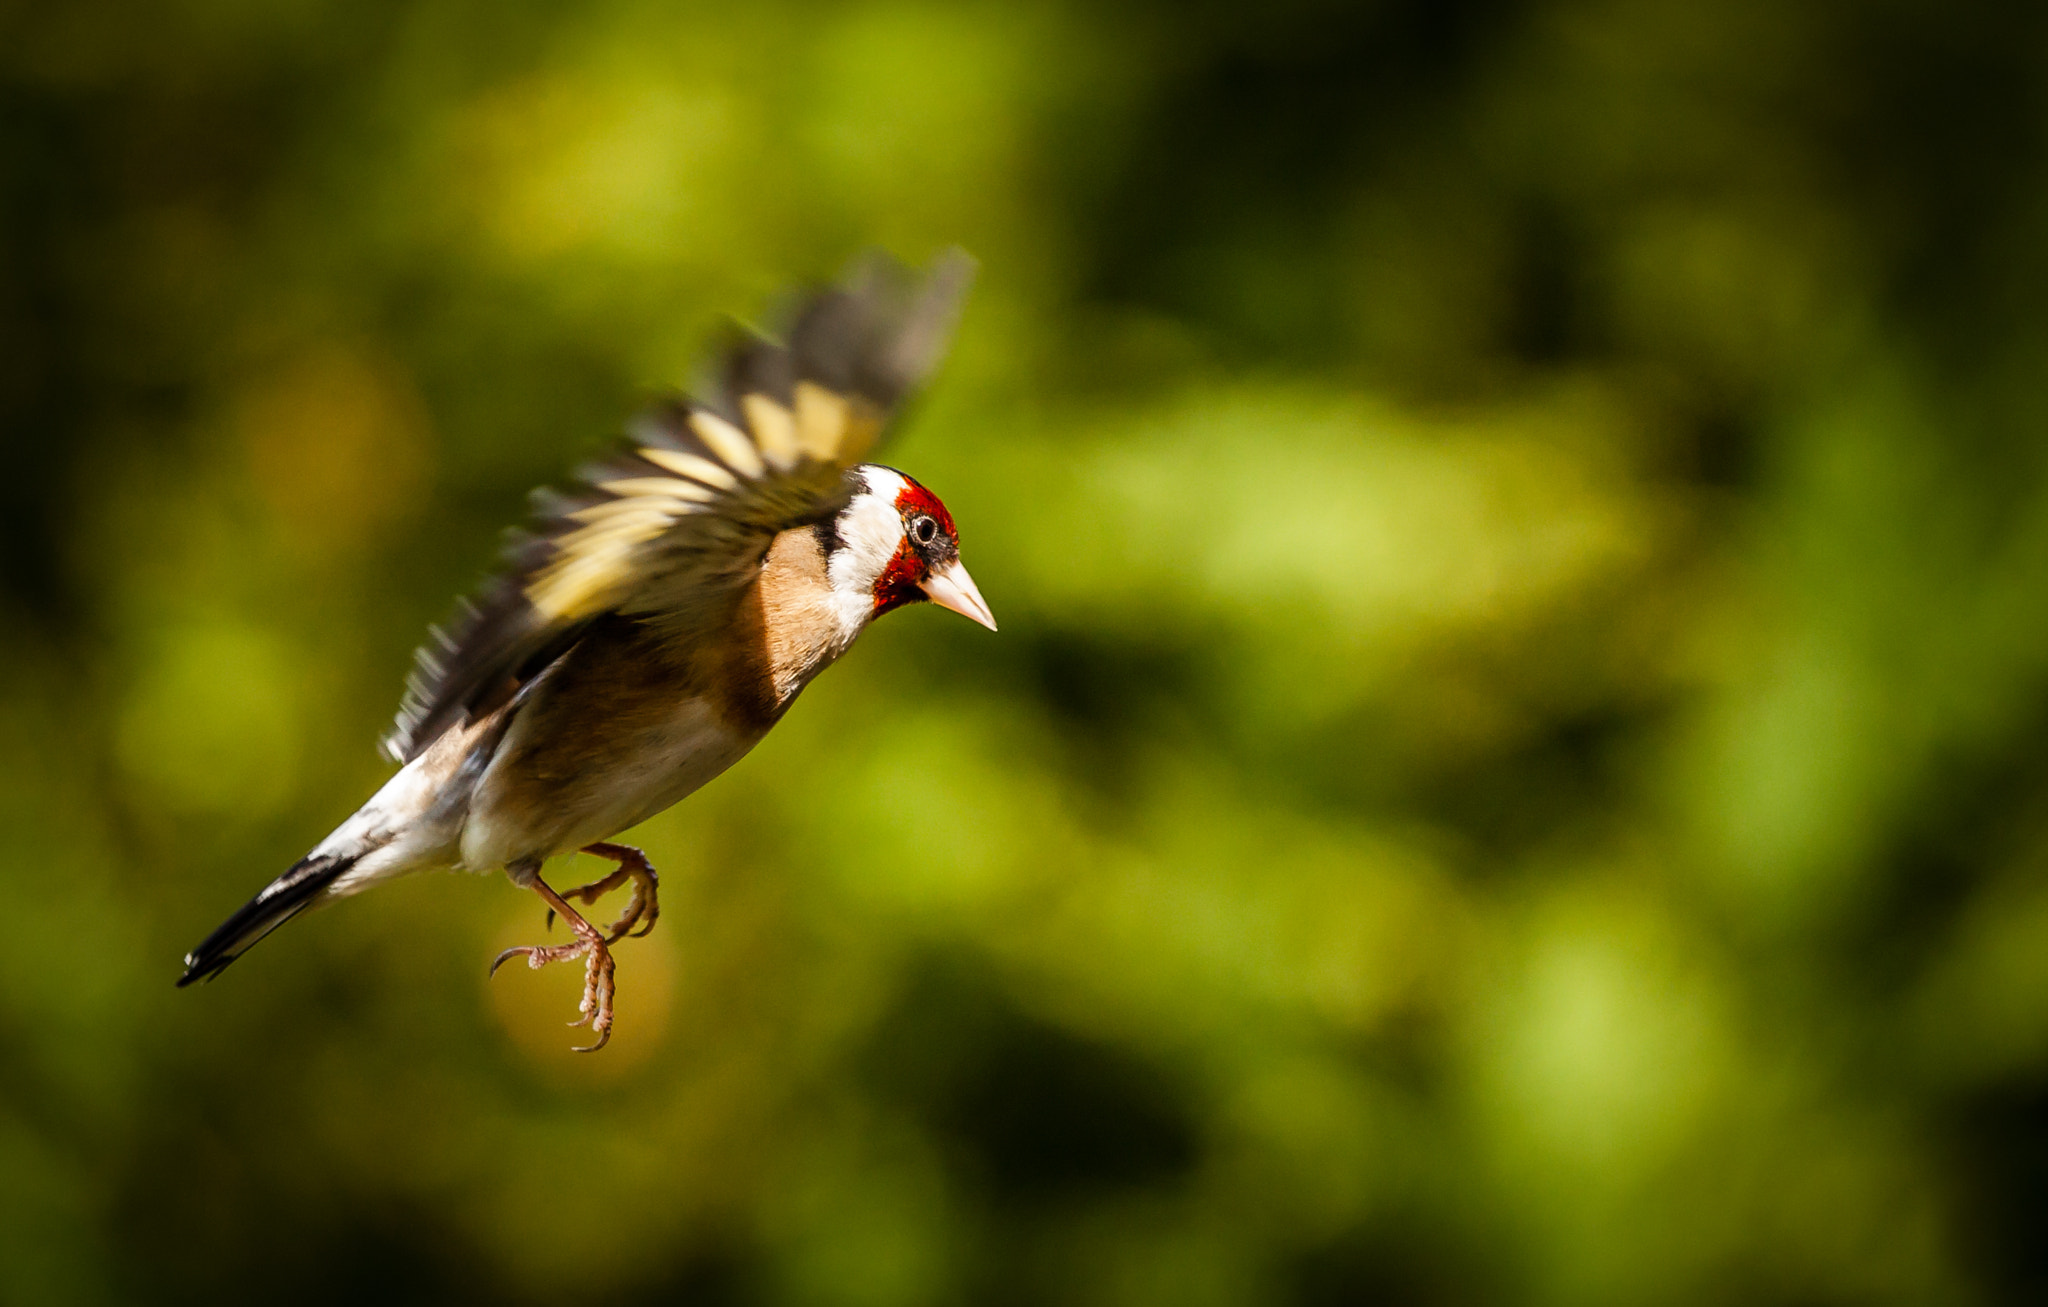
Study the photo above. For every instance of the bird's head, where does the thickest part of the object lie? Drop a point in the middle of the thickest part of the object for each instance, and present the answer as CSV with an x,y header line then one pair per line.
x,y
894,544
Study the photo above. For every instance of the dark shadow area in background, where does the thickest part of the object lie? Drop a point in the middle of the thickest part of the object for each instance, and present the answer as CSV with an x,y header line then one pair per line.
x,y
1033,1116
42,375
2000,1152
1041,1129
1267,125
1402,1264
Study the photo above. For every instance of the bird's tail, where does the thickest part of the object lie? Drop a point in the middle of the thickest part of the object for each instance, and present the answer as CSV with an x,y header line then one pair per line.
x,y
279,901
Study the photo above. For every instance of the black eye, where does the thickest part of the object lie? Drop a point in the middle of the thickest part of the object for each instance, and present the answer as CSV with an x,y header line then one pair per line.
x,y
923,530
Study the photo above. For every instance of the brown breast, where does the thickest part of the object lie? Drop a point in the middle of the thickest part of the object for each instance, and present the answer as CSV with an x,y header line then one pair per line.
x,y
801,633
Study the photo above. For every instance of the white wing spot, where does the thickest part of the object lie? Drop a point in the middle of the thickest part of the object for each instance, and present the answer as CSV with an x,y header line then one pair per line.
x,y
821,420
728,442
774,430
659,488
689,465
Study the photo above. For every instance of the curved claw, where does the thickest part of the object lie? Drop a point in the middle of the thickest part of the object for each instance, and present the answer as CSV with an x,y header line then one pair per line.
x,y
602,1040
500,960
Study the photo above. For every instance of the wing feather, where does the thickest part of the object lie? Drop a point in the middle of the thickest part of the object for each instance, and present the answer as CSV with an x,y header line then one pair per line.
x,y
673,525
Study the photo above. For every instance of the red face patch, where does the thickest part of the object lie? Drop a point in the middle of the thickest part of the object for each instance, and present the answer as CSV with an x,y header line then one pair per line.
x,y
914,498
901,581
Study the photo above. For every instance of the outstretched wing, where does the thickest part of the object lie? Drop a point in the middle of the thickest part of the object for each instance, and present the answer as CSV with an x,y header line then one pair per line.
x,y
677,522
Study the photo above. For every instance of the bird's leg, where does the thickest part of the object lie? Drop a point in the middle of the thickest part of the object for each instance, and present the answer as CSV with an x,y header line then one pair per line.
x,y
643,910
589,944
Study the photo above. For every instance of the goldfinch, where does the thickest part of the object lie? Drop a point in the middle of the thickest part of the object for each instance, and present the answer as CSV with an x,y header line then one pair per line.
x,y
656,622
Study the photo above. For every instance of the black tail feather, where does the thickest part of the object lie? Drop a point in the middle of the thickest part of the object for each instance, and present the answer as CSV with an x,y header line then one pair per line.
x,y
280,901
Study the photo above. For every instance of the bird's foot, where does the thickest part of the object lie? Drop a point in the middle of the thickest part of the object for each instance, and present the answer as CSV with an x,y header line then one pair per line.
x,y
642,910
590,944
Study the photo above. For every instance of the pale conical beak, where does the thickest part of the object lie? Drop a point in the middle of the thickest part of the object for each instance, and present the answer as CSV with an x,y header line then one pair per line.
x,y
951,587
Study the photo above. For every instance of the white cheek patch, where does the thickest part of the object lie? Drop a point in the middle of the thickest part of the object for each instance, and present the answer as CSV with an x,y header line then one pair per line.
x,y
870,531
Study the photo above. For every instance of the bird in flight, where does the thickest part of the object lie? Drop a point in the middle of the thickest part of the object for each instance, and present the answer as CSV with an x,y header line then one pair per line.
x,y
656,621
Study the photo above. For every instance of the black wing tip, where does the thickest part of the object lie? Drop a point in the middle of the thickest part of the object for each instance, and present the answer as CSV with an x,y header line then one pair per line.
x,y
937,308
941,283
882,329
878,331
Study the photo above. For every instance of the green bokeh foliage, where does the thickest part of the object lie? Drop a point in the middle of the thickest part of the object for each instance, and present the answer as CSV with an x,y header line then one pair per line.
x,y
1512,771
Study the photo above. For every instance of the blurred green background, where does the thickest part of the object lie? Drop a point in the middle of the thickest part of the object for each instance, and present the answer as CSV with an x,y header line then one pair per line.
x,y
1513,772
